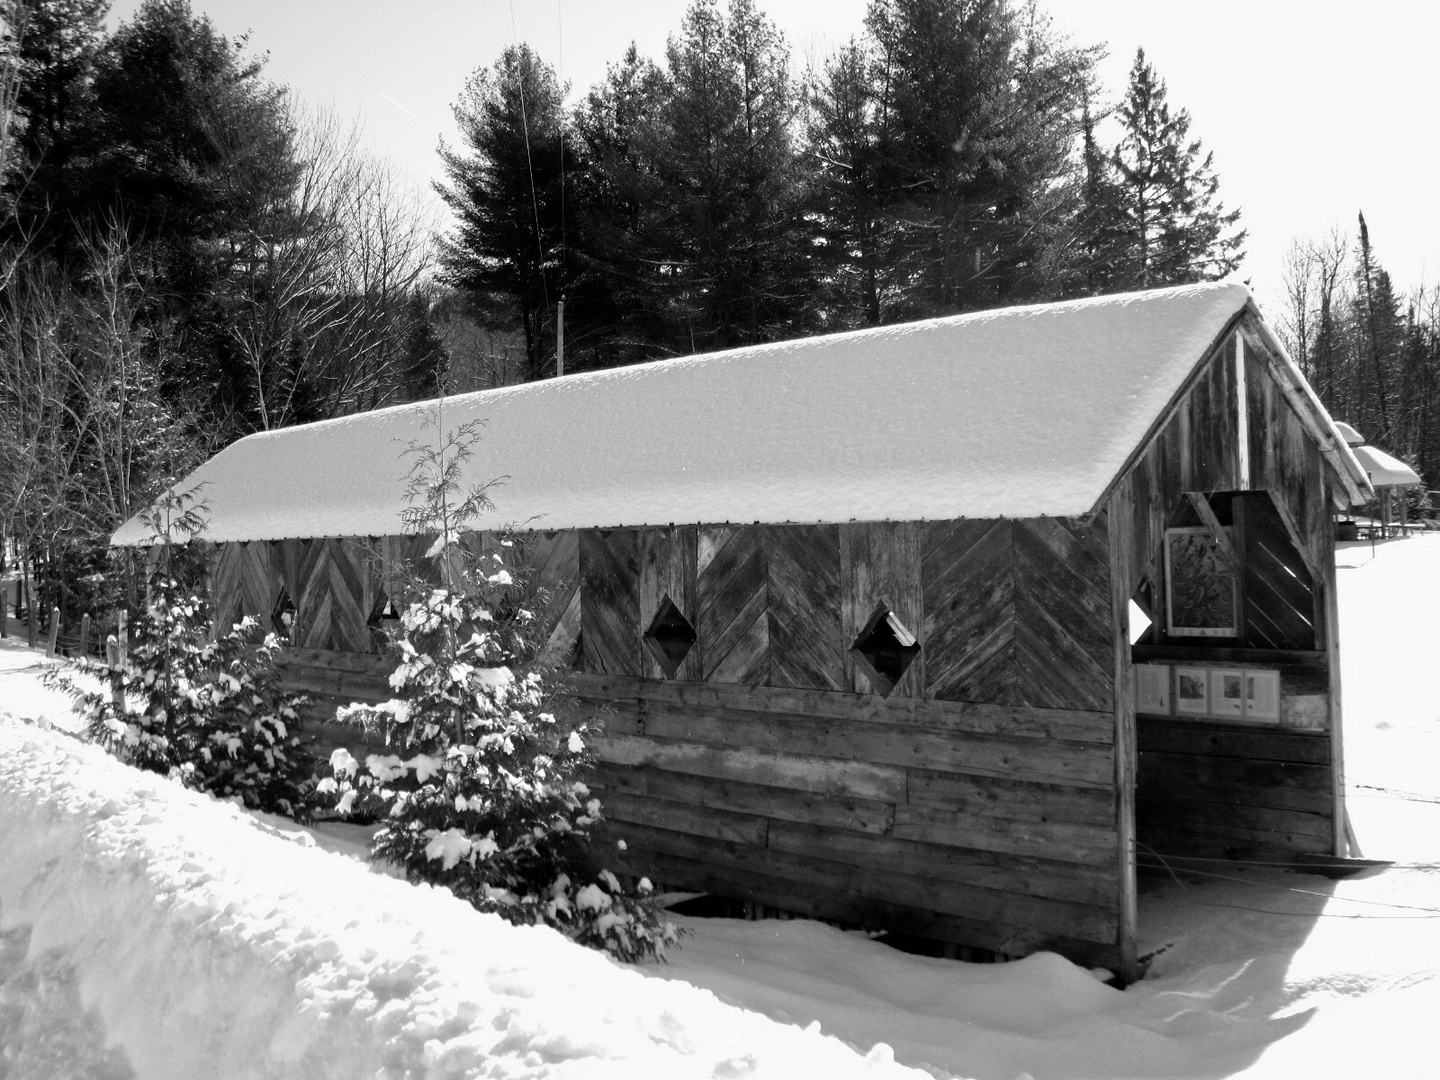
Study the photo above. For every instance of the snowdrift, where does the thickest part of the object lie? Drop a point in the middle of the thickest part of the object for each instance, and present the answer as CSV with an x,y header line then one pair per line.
x,y
149,931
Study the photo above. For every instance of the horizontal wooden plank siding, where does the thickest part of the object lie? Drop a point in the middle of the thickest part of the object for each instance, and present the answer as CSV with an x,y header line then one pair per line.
x,y
990,826
330,679
1213,789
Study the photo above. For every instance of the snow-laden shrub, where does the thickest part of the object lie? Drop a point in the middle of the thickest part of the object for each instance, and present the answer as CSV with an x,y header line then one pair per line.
x,y
481,790
209,713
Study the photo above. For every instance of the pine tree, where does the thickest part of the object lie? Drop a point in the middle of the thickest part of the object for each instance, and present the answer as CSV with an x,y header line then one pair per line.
x,y
505,187
482,792
206,710
1175,228
732,187
983,111
848,114
1381,333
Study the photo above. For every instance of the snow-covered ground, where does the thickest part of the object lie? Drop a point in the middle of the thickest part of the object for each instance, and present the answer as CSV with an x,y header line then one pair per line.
x,y
147,931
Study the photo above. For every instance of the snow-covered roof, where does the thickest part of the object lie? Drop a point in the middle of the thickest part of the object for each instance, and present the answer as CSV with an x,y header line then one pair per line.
x,y
1349,434
1019,412
1384,470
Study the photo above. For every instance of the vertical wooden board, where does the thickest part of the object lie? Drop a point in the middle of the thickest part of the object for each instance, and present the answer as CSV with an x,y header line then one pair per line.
x,y
1330,641
806,640
667,568
1256,380
610,601
1118,514
880,564
731,588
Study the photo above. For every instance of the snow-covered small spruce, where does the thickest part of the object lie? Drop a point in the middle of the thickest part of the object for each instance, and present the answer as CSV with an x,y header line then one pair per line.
x,y
481,790
207,712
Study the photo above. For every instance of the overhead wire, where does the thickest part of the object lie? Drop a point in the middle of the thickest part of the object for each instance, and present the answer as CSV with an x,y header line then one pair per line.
x,y
530,163
1427,912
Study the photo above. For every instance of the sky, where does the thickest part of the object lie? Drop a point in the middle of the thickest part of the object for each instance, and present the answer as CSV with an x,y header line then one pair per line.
x,y
1314,111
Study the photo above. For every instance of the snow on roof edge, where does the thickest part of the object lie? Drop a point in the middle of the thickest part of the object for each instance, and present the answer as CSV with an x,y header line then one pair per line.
x,y
1132,321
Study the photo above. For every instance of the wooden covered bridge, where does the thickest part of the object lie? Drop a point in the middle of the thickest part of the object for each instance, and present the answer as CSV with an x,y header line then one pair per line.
x,y
859,608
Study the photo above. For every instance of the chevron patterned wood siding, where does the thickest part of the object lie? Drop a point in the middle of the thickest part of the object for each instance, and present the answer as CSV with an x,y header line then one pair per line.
x,y
972,803
1017,613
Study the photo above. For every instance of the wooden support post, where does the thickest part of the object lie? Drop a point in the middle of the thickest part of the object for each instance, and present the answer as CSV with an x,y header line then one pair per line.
x,y
85,635
115,654
1120,525
33,623
54,637
1207,516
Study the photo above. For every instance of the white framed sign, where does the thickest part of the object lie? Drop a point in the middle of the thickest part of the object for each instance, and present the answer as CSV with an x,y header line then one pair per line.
x,y
1192,691
1152,689
1262,695
1227,693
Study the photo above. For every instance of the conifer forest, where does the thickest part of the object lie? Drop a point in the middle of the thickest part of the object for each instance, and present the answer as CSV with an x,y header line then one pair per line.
x,y
189,253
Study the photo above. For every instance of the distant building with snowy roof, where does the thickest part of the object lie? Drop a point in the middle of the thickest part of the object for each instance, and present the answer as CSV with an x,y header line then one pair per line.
x,y
860,606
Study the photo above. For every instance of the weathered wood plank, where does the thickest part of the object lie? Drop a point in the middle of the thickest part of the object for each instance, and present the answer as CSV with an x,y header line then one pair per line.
x,y
1121,580
778,804
1209,738
1019,877
1236,781
610,609
1091,845
370,663
731,592
1014,799
1224,817
762,887
807,650
829,876
1015,721
680,817
823,738
880,565
843,778
968,588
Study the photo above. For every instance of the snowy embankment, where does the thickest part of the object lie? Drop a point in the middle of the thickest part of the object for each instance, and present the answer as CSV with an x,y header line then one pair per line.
x,y
145,931
149,931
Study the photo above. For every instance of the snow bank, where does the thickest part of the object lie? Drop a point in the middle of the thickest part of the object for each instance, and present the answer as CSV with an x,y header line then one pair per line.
x,y
1018,412
148,931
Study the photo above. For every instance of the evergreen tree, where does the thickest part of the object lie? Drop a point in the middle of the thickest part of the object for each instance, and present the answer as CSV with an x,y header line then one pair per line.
x,y
984,106
505,189
736,261
848,118
482,793
1381,338
1174,227
618,310
57,57
206,710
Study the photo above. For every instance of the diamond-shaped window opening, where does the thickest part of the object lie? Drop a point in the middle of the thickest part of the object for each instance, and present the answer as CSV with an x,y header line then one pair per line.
x,y
884,650
383,617
282,616
670,637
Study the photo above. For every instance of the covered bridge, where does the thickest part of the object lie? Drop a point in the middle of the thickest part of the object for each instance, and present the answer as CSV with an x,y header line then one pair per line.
x,y
859,607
